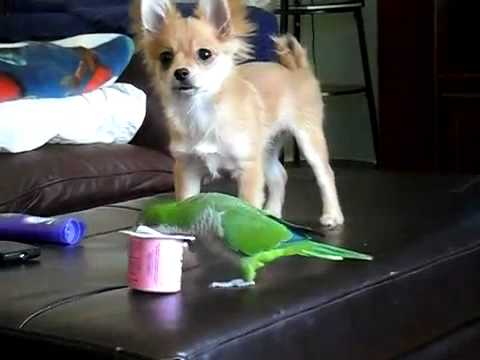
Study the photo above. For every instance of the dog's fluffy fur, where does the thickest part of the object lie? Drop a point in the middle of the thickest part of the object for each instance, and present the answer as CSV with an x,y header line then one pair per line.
x,y
223,115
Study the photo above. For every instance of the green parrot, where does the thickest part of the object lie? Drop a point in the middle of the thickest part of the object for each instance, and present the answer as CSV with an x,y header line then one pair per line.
x,y
247,236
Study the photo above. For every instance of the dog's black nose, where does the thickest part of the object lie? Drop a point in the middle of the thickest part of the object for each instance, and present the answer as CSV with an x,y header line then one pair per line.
x,y
181,74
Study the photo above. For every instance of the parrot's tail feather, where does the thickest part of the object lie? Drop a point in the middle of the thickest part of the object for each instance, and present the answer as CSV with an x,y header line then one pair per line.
x,y
251,264
324,256
320,250
346,253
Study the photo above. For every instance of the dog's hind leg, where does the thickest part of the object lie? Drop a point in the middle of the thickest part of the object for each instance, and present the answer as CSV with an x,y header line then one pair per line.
x,y
312,141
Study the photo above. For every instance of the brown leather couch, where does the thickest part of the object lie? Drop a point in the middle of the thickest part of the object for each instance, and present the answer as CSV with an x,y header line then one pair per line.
x,y
56,179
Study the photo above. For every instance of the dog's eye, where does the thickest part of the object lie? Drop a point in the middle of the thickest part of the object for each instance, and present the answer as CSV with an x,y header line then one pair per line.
x,y
204,54
166,58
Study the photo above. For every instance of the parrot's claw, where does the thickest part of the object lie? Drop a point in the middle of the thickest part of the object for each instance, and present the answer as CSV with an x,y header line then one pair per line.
x,y
235,283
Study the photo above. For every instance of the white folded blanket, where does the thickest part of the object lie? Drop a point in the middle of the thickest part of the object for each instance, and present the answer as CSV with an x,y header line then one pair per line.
x,y
111,114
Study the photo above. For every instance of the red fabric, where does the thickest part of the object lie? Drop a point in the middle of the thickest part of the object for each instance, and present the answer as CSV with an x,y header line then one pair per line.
x,y
9,88
101,75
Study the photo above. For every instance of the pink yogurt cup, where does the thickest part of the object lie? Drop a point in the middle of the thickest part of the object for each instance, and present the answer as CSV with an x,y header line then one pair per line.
x,y
155,264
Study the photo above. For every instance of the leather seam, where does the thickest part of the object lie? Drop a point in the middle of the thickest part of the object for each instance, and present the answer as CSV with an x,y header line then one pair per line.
x,y
65,301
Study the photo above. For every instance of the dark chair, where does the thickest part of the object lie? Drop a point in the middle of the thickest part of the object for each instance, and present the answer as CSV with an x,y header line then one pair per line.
x,y
295,9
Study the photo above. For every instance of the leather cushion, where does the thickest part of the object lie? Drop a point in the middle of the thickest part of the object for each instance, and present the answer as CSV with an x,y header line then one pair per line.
x,y
154,132
63,178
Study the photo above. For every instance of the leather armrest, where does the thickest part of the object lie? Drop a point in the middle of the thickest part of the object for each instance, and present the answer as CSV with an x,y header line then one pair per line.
x,y
153,133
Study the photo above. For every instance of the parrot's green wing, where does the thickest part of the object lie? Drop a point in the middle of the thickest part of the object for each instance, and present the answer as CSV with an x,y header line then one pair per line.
x,y
299,229
251,232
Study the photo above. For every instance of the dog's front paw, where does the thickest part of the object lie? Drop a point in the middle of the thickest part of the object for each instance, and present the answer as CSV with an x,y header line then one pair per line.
x,y
332,220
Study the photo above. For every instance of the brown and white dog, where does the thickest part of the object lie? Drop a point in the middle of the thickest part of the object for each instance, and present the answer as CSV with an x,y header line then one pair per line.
x,y
223,115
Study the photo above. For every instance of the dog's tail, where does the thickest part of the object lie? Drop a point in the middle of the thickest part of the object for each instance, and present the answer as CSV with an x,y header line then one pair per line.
x,y
290,53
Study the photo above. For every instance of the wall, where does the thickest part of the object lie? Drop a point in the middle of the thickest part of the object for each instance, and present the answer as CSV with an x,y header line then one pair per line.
x,y
338,61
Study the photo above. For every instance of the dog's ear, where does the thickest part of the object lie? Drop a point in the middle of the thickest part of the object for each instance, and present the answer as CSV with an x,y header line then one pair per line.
x,y
154,13
217,12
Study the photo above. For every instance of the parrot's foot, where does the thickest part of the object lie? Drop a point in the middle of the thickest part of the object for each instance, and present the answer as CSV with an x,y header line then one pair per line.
x,y
332,220
235,283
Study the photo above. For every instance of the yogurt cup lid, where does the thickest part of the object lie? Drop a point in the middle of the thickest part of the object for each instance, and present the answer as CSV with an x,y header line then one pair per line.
x,y
146,232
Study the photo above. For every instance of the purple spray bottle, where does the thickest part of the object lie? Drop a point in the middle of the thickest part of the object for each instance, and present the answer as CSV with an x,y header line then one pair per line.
x,y
25,228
